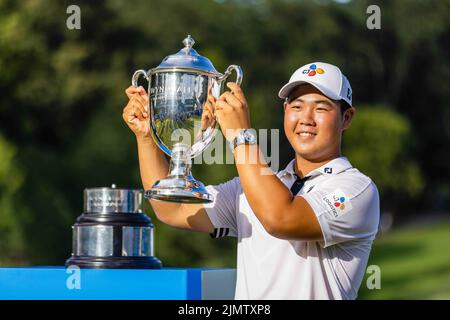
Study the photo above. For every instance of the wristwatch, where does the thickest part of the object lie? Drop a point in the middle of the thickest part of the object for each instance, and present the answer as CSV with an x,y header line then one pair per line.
x,y
244,136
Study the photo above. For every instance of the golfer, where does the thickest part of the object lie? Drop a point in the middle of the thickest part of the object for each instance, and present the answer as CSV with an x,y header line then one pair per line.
x,y
303,233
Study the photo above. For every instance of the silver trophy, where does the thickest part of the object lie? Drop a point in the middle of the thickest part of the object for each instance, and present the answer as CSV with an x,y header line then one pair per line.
x,y
113,231
181,124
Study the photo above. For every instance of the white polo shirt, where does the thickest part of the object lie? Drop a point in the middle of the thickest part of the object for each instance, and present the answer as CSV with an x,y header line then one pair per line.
x,y
346,203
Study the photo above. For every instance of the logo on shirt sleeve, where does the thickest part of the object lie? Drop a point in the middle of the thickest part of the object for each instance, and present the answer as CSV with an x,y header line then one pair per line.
x,y
338,203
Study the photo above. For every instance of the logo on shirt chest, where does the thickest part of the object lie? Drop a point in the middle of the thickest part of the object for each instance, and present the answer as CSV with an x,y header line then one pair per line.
x,y
338,203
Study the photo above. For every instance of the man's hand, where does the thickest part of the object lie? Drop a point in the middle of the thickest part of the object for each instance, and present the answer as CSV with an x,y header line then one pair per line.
x,y
232,112
208,119
135,114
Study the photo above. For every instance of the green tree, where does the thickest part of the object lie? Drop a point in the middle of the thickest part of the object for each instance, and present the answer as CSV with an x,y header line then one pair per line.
x,y
12,240
378,143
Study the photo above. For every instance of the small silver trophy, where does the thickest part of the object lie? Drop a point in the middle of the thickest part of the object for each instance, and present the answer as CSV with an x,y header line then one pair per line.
x,y
113,231
181,125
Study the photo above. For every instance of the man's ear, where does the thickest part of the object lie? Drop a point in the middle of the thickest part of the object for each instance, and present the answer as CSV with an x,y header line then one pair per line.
x,y
284,105
347,118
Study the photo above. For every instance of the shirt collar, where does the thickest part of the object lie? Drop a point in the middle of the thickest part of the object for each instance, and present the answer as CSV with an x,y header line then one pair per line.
x,y
332,167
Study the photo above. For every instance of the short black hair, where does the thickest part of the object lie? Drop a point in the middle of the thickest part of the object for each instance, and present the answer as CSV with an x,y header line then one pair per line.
x,y
344,106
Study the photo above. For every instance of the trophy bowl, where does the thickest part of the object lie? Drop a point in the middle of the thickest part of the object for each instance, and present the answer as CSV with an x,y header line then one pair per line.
x,y
181,123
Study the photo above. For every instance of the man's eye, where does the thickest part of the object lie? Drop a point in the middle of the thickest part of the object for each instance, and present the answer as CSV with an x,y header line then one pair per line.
x,y
322,109
295,106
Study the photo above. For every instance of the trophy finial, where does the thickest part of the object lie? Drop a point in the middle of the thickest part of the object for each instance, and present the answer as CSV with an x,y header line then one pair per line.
x,y
188,41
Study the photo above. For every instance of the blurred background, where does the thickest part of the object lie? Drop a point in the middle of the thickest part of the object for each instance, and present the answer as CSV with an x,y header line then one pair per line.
x,y
62,95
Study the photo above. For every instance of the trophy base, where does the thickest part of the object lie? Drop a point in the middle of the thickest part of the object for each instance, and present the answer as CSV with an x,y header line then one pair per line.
x,y
179,189
114,262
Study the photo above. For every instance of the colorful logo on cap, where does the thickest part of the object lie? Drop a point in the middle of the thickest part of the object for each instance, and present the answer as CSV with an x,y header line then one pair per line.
x,y
313,70
339,202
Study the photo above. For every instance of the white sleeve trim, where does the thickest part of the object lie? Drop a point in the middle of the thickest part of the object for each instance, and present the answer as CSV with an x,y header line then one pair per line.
x,y
222,211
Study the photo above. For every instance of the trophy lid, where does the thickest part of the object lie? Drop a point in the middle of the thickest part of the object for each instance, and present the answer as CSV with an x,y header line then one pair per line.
x,y
111,200
188,58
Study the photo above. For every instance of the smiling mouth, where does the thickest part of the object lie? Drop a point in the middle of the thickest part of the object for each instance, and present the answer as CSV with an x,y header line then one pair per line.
x,y
306,134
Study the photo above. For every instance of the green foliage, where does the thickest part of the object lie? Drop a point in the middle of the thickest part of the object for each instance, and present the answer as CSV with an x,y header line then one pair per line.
x,y
378,143
11,179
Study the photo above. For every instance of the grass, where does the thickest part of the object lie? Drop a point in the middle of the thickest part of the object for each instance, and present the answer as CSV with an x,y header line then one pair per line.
x,y
414,264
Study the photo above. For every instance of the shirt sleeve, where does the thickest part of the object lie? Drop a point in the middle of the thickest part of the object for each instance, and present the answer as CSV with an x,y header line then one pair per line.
x,y
347,208
222,211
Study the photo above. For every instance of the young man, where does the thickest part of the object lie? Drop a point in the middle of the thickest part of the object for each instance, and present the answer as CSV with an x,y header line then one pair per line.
x,y
304,233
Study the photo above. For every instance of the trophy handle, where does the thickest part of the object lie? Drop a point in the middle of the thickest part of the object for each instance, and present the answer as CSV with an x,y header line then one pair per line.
x,y
228,72
135,78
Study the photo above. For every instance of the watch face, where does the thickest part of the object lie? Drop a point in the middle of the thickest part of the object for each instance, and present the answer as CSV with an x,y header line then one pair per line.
x,y
248,136
244,137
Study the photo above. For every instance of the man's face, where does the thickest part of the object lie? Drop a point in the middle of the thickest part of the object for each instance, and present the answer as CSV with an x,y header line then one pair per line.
x,y
313,123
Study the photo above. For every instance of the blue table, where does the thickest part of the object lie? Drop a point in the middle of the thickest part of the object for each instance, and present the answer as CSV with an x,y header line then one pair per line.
x,y
57,283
